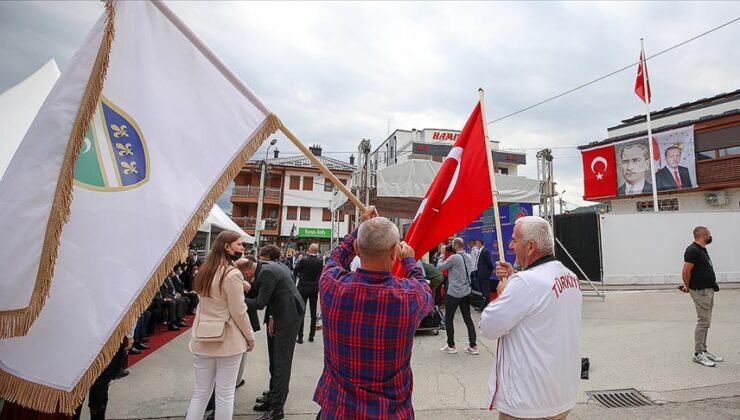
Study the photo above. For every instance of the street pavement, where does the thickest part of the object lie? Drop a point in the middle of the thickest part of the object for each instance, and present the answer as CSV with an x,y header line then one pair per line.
x,y
634,339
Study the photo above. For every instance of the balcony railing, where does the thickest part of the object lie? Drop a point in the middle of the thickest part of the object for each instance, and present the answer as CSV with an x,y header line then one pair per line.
x,y
250,222
254,191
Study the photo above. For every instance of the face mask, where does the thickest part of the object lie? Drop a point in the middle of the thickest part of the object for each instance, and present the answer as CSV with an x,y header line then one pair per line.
x,y
709,240
235,256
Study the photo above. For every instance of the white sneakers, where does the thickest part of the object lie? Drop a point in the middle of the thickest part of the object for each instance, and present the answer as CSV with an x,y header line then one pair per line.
x,y
452,350
472,350
707,359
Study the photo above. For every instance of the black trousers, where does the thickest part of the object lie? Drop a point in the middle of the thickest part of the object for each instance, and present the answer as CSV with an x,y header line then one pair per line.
x,y
98,400
451,304
169,305
485,289
280,348
309,299
193,301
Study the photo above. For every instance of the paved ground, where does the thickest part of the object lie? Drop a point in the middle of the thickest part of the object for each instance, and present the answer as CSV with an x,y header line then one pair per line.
x,y
634,339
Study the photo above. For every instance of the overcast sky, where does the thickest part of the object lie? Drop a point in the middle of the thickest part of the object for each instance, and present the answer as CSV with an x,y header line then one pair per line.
x,y
336,73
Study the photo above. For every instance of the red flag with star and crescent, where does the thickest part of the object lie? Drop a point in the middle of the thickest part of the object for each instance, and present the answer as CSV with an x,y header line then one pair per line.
x,y
599,172
640,82
460,192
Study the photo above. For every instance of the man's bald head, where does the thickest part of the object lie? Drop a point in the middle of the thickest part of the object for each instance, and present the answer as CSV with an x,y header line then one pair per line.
x,y
313,249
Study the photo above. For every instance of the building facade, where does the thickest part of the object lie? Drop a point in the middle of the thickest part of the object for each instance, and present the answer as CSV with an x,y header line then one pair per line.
x,y
434,144
696,156
296,200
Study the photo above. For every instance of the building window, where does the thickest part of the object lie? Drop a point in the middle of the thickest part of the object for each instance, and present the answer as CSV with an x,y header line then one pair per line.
x,y
272,213
325,215
305,213
307,183
503,171
729,151
666,204
295,182
291,213
328,186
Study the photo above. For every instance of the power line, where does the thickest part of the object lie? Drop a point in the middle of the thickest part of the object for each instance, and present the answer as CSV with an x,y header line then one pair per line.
x,y
613,73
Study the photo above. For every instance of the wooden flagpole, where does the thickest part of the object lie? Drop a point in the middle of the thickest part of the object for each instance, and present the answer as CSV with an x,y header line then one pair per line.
x,y
494,190
327,173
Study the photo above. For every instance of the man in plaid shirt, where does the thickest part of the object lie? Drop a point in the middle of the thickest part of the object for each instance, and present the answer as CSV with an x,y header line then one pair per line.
x,y
369,319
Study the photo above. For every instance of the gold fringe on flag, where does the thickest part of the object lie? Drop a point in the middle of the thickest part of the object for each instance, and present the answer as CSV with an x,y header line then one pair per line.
x,y
17,322
50,400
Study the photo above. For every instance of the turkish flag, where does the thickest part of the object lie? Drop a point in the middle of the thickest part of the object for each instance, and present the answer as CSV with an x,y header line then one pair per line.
x,y
599,172
640,82
460,192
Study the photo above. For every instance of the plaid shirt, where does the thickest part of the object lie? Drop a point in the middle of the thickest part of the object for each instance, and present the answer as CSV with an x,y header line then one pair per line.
x,y
369,319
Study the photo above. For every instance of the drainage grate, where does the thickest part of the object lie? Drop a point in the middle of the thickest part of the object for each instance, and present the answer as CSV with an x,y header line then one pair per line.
x,y
620,398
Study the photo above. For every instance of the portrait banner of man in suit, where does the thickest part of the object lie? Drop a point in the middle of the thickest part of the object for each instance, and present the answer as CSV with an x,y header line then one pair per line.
x,y
676,168
633,168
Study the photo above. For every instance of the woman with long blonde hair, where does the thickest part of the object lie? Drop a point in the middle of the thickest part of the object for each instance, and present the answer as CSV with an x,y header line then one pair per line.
x,y
221,332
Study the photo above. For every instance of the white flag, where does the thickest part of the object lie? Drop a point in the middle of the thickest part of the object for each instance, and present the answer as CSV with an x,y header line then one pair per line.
x,y
170,130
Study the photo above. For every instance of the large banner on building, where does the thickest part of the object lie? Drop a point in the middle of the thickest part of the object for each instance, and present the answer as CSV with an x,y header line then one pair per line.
x,y
675,167
484,228
623,169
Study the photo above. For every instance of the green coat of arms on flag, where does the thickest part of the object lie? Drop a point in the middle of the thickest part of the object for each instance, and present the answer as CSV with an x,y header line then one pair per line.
x,y
114,154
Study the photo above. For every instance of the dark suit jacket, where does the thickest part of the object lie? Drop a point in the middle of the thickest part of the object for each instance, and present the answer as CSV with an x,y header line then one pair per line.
x,y
252,294
664,178
308,271
278,293
168,288
485,266
647,188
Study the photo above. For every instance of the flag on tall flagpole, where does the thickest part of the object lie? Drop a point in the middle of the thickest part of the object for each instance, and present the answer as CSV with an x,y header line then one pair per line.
x,y
459,193
642,82
160,137
642,89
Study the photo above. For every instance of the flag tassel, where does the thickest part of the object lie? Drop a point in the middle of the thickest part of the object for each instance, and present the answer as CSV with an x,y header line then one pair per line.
x,y
17,322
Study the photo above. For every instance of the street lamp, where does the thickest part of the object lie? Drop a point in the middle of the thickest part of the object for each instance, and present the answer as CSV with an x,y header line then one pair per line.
x,y
261,197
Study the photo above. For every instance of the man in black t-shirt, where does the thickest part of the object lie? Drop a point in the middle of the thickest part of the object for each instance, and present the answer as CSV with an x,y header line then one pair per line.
x,y
700,282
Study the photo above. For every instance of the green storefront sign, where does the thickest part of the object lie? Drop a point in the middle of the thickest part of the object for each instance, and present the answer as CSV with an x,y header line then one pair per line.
x,y
314,232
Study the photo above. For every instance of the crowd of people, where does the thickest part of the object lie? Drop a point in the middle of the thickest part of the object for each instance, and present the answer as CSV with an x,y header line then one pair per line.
x,y
370,316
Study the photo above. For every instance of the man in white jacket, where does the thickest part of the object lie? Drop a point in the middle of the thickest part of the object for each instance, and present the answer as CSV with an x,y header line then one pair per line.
x,y
537,321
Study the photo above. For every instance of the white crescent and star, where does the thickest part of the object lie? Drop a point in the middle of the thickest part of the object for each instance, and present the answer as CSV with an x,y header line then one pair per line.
x,y
594,161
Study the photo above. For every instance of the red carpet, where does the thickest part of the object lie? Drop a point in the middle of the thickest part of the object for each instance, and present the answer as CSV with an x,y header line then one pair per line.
x,y
160,337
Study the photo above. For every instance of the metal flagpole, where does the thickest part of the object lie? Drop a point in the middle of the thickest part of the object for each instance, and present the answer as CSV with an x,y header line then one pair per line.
x,y
494,189
646,91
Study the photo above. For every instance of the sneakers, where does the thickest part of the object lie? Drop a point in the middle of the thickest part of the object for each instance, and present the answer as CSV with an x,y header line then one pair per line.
x,y
472,350
448,350
702,359
713,358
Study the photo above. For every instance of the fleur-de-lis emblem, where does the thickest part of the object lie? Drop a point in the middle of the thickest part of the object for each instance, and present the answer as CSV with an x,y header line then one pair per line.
x,y
119,131
124,150
129,168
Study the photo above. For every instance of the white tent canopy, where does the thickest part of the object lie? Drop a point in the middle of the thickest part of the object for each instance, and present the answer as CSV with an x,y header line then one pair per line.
x,y
220,220
19,106
411,179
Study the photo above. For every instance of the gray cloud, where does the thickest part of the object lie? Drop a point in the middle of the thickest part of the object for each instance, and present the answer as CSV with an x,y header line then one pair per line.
x,y
338,72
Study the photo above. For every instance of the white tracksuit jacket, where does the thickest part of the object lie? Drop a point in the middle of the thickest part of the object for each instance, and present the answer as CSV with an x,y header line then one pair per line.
x,y
537,320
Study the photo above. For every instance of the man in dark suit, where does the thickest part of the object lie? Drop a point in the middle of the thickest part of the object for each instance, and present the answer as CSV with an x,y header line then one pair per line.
x,y
284,310
634,163
308,271
672,176
485,268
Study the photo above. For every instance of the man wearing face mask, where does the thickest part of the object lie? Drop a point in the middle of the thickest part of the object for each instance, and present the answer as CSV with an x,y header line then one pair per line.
x,y
700,282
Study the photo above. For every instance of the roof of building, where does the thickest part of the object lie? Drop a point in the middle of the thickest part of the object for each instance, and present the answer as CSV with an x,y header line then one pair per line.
x,y
675,110
301,161
684,107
